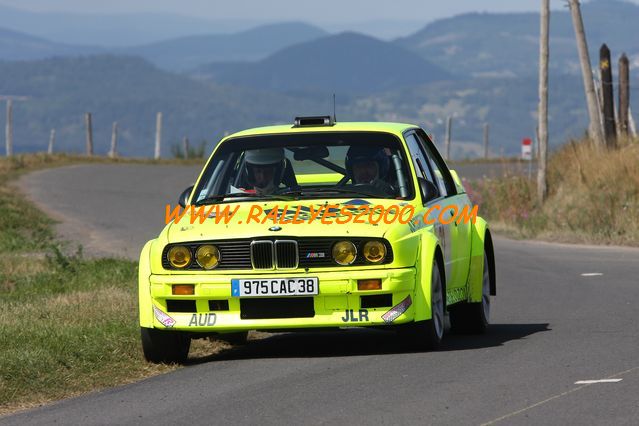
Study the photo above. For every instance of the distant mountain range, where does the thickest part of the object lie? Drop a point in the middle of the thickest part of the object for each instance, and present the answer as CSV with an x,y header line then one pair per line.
x,y
114,30
477,68
346,63
131,91
507,45
187,53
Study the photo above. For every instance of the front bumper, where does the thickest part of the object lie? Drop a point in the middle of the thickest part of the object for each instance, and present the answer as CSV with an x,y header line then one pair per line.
x,y
338,304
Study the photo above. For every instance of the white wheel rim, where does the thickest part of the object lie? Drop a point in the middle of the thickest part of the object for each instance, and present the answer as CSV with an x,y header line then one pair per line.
x,y
438,303
485,287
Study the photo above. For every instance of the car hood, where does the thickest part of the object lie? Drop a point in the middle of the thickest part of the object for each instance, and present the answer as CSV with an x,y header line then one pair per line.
x,y
275,225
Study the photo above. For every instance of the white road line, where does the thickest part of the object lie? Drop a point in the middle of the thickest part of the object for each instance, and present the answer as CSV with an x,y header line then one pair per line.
x,y
589,382
592,274
552,398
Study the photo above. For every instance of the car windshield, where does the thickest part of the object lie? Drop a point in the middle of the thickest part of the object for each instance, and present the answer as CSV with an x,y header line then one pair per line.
x,y
307,165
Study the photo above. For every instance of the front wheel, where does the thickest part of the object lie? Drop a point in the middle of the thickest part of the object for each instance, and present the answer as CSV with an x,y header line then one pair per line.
x,y
473,318
428,334
160,346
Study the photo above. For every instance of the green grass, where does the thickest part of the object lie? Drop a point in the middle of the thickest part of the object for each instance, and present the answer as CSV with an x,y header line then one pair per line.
x,y
68,325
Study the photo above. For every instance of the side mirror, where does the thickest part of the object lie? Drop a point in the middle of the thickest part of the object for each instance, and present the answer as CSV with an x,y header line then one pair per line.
x,y
428,190
184,196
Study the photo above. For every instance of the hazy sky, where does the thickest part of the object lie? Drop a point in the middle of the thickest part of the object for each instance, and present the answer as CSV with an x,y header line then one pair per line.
x,y
322,11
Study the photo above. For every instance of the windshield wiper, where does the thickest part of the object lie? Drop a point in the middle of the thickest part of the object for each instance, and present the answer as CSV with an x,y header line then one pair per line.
x,y
344,191
220,197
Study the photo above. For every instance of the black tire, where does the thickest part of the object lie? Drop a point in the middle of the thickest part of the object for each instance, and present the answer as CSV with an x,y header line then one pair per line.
x,y
167,347
428,335
238,338
473,318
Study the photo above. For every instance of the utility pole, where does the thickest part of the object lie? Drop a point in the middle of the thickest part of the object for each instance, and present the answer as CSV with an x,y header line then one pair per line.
x,y
51,142
449,122
9,128
113,152
610,129
485,140
89,133
624,94
158,135
594,130
542,113
185,144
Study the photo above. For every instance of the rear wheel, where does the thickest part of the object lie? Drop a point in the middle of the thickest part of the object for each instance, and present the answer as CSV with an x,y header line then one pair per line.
x,y
428,334
164,346
473,318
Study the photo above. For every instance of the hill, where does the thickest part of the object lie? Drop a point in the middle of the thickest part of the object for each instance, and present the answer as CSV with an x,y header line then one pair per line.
x,y
506,45
130,91
15,45
345,63
189,52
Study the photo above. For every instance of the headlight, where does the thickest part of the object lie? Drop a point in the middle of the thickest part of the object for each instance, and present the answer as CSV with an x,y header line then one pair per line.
x,y
344,252
179,257
374,251
207,256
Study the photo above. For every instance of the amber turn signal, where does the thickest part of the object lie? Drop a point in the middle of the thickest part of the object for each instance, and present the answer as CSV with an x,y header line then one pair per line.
x,y
183,289
375,284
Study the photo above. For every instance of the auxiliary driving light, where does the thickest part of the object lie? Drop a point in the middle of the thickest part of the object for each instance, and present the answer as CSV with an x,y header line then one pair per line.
x,y
344,252
374,251
183,289
207,256
179,256
375,284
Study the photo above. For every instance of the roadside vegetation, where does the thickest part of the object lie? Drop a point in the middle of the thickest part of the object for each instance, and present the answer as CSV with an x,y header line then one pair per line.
x,y
68,324
593,197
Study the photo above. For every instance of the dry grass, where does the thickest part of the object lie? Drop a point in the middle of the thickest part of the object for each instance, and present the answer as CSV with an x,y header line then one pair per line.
x,y
593,197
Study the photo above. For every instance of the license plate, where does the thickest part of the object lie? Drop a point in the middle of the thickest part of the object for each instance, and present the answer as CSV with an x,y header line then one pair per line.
x,y
255,287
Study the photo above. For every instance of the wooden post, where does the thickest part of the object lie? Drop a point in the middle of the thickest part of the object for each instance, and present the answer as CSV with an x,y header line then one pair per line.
x,y
542,112
113,152
449,122
486,140
185,144
610,129
51,142
9,128
594,129
89,133
158,135
624,94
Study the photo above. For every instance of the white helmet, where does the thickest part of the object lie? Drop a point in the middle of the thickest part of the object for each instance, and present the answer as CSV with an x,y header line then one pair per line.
x,y
265,156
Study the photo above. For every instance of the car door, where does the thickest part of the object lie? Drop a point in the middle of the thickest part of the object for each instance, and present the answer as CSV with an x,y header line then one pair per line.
x,y
440,228
460,231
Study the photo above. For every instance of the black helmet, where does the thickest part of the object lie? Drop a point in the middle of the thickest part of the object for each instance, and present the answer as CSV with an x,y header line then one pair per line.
x,y
357,153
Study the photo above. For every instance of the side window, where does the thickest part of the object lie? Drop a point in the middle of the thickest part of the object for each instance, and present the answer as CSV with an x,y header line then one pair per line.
x,y
419,159
442,175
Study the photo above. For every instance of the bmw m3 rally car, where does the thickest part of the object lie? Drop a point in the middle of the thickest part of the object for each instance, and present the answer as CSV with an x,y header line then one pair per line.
x,y
318,225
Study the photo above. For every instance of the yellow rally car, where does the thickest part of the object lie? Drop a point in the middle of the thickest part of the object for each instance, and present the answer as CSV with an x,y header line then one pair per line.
x,y
317,225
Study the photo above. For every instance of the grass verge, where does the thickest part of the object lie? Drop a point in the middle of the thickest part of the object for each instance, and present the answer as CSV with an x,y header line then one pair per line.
x,y
68,325
593,197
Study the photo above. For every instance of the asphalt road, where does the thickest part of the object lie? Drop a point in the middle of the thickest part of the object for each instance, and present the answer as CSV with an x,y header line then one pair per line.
x,y
552,327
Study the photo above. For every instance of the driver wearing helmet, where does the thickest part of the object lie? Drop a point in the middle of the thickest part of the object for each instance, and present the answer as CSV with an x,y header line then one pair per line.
x,y
367,165
265,169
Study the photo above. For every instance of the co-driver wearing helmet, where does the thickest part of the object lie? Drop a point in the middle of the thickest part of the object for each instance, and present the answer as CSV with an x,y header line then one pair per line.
x,y
369,165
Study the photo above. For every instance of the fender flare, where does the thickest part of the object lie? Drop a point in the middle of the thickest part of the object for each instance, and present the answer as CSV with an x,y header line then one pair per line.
x,y
145,304
429,249
481,240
